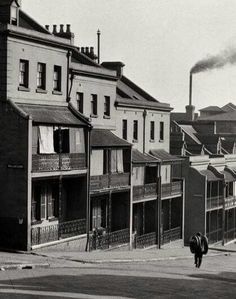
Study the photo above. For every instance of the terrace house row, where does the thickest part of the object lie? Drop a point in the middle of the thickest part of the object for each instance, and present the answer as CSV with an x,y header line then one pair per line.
x,y
84,152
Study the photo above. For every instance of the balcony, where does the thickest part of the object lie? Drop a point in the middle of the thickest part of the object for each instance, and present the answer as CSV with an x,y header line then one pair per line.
x,y
230,202
144,191
171,189
171,235
108,181
55,232
56,162
214,202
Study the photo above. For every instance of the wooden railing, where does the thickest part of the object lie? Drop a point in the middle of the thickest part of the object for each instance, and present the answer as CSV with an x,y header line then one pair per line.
x,y
145,240
171,189
171,235
55,162
114,180
144,191
54,232
214,202
105,240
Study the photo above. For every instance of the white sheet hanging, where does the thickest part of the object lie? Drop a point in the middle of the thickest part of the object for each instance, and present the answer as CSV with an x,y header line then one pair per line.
x,y
46,145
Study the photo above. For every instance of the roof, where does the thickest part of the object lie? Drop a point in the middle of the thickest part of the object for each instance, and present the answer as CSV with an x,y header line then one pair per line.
x,y
140,158
212,109
49,114
195,149
210,175
131,94
208,139
7,2
105,138
28,22
229,107
229,177
191,132
227,116
164,156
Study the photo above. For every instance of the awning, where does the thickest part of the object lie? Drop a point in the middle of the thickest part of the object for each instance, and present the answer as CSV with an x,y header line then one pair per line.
x,y
164,157
105,138
210,175
229,177
140,158
49,114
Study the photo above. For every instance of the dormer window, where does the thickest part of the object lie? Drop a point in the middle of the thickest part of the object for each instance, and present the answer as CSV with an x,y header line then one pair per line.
x,y
14,14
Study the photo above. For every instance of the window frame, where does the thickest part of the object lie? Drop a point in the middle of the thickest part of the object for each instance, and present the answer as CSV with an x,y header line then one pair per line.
x,y
80,101
152,130
57,76
107,106
125,129
135,130
24,73
161,136
41,76
94,105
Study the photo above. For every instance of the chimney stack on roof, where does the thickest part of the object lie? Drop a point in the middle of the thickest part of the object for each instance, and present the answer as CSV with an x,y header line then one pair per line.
x,y
115,66
67,34
88,51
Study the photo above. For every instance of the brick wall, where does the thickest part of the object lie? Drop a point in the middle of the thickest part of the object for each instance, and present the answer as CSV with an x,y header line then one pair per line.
x,y
13,178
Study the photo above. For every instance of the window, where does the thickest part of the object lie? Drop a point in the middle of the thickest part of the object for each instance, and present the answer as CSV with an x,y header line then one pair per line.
x,y
107,106
80,101
14,12
57,78
41,76
124,129
152,130
94,104
135,130
45,201
24,73
161,131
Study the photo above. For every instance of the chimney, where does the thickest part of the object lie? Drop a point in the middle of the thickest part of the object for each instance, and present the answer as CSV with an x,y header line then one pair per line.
x,y
190,109
88,51
47,27
61,28
54,31
68,28
115,66
98,35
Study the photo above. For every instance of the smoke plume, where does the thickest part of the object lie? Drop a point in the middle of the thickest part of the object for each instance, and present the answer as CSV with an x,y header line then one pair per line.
x,y
211,62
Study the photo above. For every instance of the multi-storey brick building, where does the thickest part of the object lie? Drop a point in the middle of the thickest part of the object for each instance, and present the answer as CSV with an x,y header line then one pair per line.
x,y
84,152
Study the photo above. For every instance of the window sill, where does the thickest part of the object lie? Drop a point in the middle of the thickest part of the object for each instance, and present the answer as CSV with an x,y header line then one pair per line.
x,y
93,116
52,219
23,88
39,90
152,140
57,92
35,222
161,140
106,117
135,140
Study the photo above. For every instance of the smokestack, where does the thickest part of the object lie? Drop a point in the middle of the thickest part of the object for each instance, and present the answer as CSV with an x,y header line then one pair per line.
x,y
190,88
98,34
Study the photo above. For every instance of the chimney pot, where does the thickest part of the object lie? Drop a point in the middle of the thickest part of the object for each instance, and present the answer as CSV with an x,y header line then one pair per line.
x,y
68,28
61,28
87,50
82,49
91,50
54,29
47,27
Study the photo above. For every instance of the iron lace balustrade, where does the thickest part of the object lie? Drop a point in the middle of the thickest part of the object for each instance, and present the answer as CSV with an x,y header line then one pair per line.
x,y
106,240
145,240
55,232
144,191
113,180
171,235
230,202
171,189
214,202
56,162
215,236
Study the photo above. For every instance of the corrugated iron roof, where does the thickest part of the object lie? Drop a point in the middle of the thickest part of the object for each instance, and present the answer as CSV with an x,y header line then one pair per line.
x,y
105,138
164,156
46,114
140,158
210,175
229,177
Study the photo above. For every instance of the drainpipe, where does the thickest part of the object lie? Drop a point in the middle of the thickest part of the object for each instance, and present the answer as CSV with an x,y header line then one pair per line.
x,y
223,216
68,77
144,129
29,185
131,203
88,189
159,206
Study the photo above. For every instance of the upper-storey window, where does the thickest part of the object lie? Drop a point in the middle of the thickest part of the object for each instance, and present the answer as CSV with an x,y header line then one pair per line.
x,y
14,12
124,129
24,73
80,101
161,131
135,130
41,76
152,130
94,105
57,78
107,105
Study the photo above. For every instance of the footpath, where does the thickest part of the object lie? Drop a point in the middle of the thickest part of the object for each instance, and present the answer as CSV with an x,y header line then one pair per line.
x,y
48,258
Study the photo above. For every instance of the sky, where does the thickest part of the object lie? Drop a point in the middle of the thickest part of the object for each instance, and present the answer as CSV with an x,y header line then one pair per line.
x,y
159,41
